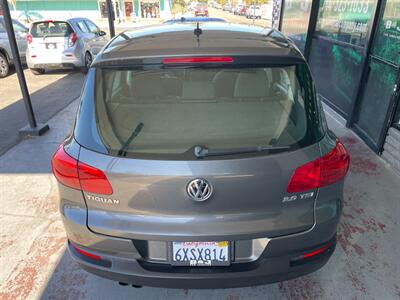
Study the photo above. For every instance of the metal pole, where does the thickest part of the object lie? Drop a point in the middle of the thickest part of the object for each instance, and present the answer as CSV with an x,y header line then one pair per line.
x,y
282,9
312,24
17,64
110,11
254,12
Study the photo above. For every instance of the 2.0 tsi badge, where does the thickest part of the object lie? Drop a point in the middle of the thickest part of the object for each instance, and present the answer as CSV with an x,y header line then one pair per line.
x,y
199,189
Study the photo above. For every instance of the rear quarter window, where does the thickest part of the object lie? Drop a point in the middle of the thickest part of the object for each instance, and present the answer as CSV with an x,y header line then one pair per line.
x,y
82,26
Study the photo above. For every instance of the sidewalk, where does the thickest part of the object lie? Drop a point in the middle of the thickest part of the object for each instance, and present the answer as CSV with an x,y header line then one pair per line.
x,y
34,263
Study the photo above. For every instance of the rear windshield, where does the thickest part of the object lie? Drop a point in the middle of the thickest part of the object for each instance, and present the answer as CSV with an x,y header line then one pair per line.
x,y
170,111
51,29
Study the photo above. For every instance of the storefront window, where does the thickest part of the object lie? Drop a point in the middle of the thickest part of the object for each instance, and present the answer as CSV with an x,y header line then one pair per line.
x,y
337,70
345,20
371,113
387,45
295,21
387,40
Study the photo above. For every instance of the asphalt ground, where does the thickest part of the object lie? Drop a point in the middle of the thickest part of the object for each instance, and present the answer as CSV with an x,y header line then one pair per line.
x,y
50,93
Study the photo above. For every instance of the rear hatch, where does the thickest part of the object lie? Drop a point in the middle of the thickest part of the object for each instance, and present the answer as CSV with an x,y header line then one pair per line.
x,y
50,39
244,130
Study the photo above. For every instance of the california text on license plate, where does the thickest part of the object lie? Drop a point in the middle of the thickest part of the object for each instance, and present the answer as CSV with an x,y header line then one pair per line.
x,y
200,254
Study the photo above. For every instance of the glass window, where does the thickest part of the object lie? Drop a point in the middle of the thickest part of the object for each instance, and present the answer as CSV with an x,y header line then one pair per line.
x,y
337,70
372,110
49,28
387,40
92,27
295,21
82,26
244,107
345,20
18,27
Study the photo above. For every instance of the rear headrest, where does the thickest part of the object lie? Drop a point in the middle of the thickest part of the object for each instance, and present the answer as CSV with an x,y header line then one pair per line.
x,y
198,90
224,83
147,85
252,84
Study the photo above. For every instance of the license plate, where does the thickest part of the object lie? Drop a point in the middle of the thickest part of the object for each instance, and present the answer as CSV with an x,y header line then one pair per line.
x,y
200,254
51,46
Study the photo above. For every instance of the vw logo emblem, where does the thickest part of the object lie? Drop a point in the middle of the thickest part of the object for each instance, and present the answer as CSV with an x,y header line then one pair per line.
x,y
199,189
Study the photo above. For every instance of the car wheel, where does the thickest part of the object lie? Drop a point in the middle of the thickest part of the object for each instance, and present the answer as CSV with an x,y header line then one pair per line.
x,y
88,62
37,71
4,66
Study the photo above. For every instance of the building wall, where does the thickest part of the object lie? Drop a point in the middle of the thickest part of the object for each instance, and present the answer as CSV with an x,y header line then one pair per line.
x,y
57,5
80,8
58,8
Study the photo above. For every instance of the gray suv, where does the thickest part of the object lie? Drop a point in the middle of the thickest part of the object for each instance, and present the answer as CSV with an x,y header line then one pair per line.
x,y
200,158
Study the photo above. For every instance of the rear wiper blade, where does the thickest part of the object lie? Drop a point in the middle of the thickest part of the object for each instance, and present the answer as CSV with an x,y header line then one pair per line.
x,y
201,151
135,133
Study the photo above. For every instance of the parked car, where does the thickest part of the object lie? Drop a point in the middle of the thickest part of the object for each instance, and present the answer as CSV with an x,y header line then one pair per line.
x,y
201,10
227,7
254,12
6,57
243,10
237,9
193,20
55,44
192,6
216,156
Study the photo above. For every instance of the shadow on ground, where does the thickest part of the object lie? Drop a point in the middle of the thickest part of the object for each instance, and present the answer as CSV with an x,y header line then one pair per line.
x,y
68,281
46,102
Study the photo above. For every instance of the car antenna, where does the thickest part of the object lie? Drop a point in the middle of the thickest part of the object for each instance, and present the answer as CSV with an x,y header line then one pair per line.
x,y
197,32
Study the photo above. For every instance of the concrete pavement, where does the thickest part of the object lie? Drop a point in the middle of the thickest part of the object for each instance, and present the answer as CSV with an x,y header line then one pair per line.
x,y
50,93
35,265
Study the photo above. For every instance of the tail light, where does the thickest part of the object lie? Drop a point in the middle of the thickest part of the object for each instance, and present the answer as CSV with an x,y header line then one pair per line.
x,y
29,38
323,171
78,175
73,37
87,254
304,258
317,252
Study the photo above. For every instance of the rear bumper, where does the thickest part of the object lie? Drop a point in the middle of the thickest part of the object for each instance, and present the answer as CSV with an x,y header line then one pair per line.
x,y
53,66
132,261
265,270
67,59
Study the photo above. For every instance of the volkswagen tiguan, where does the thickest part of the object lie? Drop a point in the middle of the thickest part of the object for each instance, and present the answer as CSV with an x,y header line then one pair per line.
x,y
200,158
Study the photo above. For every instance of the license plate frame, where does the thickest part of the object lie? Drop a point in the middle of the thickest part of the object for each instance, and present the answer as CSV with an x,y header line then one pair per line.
x,y
204,263
52,47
